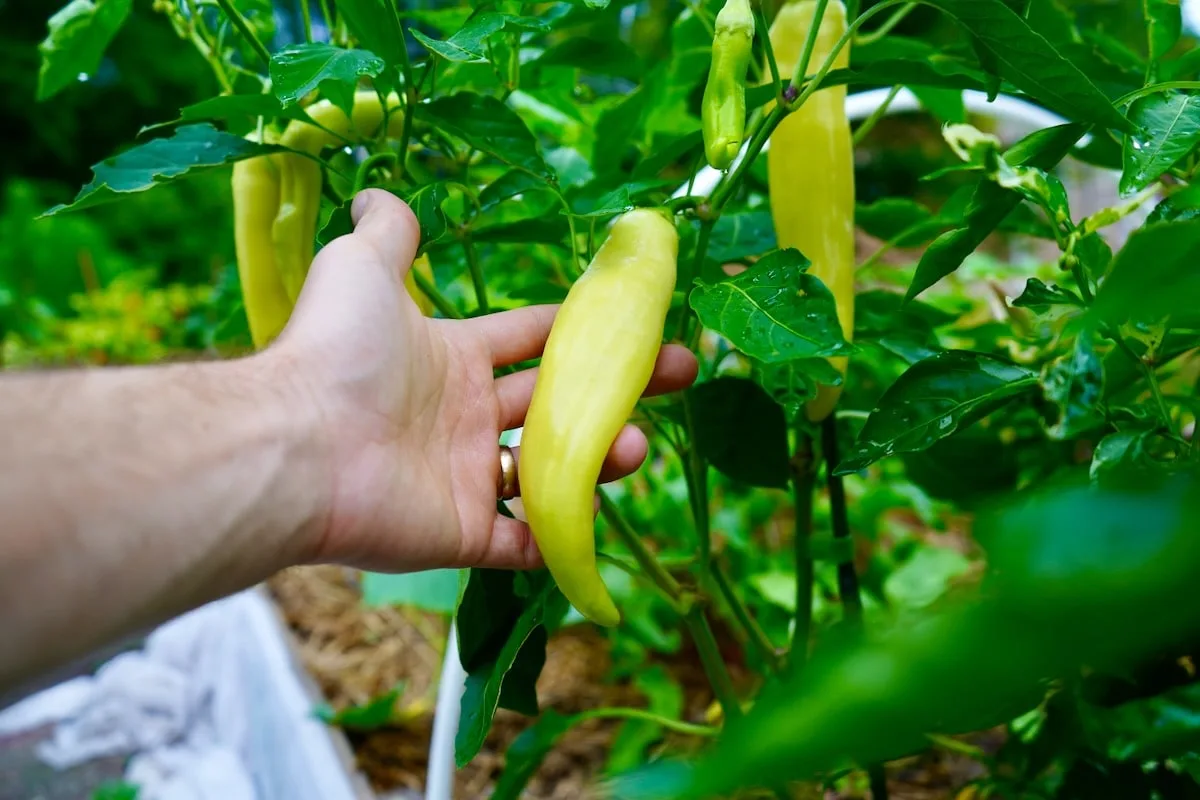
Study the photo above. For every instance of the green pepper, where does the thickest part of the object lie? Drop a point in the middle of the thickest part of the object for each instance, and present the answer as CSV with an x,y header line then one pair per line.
x,y
723,111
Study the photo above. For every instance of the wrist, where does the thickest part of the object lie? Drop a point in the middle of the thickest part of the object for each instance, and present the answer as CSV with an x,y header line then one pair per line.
x,y
289,422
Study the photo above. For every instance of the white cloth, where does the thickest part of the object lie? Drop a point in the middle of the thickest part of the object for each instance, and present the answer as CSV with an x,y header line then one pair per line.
x,y
211,708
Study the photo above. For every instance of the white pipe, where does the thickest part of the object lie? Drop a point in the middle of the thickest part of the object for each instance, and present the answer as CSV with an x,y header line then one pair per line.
x,y
440,777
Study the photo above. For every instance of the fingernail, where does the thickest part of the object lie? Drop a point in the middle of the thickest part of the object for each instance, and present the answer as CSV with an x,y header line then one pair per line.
x,y
359,206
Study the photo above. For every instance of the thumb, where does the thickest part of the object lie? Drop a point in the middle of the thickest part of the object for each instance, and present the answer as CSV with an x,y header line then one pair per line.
x,y
385,224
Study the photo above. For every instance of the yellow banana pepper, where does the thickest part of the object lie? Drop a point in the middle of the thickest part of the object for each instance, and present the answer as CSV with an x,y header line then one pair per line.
x,y
810,171
596,364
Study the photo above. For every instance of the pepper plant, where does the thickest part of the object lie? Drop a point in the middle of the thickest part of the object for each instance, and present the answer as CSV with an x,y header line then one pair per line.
x,y
1049,400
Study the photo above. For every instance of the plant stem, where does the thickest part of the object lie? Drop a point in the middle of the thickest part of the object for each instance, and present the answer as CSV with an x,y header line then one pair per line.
x,y
702,240
713,664
641,554
879,113
476,276
246,31
327,17
764,31
437,298
888,25
848,587
756,635
306,14
810,43
698,485
1147,372
679,726
803,480
364,169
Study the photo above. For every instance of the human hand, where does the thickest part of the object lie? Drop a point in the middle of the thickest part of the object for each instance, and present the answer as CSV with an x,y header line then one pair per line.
x,y
409,411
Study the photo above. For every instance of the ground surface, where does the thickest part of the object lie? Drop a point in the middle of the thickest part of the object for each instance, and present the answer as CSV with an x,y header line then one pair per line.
x,y
356,653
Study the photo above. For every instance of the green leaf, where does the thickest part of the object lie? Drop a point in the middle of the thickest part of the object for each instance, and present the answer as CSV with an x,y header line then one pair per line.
x,y
510,184
192,149
1170,125
924,577
969,468
910,62
426,203
486,124
1183,204
665,699
933,399
990,205
791,384
527,752
431,590
376,27
468,44
774,311
374,714
673,151
741,431
115,790
1075,384
339,223
1122,454
299,69
1040,298
1032,64
1164,25
618,130
79,33
525,231
605,55
1153,275
945,104
901,221
482,695
737,235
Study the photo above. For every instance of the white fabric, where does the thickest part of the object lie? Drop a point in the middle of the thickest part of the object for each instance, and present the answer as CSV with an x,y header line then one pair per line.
x,y
210,709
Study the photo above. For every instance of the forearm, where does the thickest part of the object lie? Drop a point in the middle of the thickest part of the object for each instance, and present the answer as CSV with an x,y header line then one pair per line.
x,y
130,495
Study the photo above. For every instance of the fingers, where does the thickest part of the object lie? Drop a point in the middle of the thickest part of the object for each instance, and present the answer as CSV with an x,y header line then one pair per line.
x,y
624,457
675,369
511,546
385,224
515,335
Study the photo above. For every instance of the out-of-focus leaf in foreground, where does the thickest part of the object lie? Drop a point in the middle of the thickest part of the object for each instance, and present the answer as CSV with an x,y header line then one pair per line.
x,y
1079,575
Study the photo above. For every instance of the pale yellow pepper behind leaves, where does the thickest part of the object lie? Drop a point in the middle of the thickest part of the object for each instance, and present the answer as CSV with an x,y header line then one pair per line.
x,y
596,364
810,171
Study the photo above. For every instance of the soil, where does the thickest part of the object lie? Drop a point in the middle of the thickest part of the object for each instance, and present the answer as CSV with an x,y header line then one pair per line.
x,y
356,653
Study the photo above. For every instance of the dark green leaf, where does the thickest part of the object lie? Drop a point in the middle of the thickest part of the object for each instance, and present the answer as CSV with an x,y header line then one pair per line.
x,y
741,431
673,151
619,129
518,692
426,204
469,43
227,106
299,69
510,184
1032,64
774,311
1164,24
431,590
793,383
115,790
932,400
903,222
606,55
1075,384
945,104
1122,454
339,224
910,62
619,200
553,230
1040,298
78,35
967,468
737,235
1170,122
482,695
1094,254
1183,204
527,752
374,714
989,206
376,27
1154,274
486,124
192,149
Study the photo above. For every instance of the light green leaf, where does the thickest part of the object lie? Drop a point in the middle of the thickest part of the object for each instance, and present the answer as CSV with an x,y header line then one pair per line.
x,y
79,33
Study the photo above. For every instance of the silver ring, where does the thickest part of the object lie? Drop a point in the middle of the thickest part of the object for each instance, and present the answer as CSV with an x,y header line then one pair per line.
x,y
507,485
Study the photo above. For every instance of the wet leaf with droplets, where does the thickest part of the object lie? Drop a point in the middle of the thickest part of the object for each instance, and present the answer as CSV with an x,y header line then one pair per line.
x,y
774,311
932,400
1170,129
